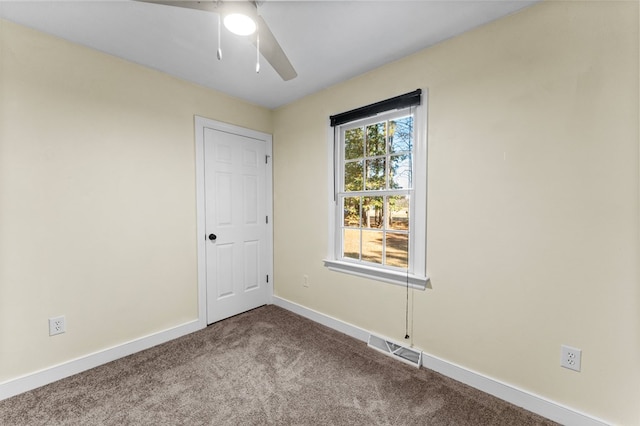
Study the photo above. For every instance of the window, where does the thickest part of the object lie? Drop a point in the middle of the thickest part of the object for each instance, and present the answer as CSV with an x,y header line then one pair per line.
x,y
378,205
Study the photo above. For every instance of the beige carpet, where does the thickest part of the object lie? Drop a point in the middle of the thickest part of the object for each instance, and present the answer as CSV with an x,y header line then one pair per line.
x,y
267,366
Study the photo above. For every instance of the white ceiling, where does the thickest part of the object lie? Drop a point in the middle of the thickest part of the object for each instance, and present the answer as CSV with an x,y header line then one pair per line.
x,y
326,41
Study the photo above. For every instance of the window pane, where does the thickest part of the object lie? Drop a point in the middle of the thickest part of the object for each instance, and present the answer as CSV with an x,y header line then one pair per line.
x,y
354,143
401,135
372,246
351,243
376,174
376,193
398,208
351,211
372,212
397,249
353,176
400,172
377,139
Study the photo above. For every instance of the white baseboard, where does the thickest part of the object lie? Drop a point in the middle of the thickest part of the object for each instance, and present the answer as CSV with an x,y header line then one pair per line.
x,y
49,375
511,394
521,398
326,320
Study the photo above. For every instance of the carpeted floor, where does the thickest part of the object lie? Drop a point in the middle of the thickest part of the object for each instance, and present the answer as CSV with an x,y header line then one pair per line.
x,y
267,366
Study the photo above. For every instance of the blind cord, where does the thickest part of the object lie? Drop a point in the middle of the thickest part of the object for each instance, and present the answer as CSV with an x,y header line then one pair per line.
x,y
406,311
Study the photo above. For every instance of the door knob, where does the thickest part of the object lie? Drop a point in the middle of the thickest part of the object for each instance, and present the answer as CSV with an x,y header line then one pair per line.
x,y
212,237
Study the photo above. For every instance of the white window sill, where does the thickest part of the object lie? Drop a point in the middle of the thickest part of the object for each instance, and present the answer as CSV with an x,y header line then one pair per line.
x,y
379,274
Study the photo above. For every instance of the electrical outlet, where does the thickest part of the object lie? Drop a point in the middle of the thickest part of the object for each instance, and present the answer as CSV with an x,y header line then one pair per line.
x,y
57,326
570,358
305,280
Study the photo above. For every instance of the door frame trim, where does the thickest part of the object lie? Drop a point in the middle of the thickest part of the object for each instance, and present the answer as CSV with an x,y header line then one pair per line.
x,y
202,123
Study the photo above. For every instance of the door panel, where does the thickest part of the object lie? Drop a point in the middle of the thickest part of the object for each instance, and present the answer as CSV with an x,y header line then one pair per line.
x,y
235,212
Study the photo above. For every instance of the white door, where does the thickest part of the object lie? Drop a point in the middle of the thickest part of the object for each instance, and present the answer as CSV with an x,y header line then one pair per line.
x,y
236,223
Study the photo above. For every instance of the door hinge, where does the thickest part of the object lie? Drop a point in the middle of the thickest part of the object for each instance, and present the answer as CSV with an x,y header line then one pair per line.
x,y
267,277
266,159
266,218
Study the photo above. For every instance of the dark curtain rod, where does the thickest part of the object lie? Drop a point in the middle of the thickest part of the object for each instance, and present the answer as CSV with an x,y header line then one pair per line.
x,y
398,102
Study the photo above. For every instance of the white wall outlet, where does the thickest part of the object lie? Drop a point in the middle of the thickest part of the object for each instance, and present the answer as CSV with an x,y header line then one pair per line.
x,y
305,280
570,358
57,325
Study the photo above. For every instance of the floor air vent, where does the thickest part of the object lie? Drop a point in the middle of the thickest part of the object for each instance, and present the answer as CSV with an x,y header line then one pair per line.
x,y
402,353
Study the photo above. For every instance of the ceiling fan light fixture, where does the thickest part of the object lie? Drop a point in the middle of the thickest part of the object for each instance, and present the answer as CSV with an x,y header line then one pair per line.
x,y
240,24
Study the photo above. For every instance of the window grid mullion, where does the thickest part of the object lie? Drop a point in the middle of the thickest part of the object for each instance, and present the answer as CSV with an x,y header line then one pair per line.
x,y
387,161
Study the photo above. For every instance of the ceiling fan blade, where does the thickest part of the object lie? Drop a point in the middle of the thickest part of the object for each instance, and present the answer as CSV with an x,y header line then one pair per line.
x,y
269,46
272,52
207,5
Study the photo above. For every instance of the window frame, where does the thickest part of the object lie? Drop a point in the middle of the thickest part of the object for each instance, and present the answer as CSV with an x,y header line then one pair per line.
x,y
415,275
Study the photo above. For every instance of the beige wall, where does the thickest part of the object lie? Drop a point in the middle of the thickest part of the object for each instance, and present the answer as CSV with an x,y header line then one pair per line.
x,y
533,204
97,198
533,215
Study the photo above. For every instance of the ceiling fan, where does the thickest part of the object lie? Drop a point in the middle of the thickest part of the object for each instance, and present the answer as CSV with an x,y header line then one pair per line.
x,y
263,38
